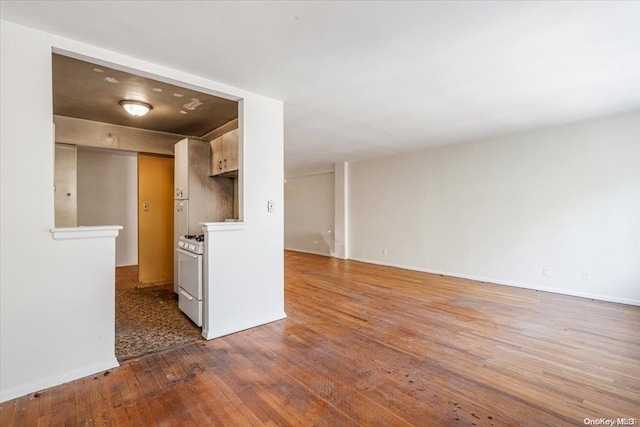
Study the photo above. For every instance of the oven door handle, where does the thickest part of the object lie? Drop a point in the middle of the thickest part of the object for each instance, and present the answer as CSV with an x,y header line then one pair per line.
x,y
183,252
186,295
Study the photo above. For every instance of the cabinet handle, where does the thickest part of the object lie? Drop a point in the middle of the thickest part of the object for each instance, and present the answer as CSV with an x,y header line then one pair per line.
x,y
220,165
225,163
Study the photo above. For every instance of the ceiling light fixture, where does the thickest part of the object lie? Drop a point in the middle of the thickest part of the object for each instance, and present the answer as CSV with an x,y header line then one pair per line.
x,y
136,108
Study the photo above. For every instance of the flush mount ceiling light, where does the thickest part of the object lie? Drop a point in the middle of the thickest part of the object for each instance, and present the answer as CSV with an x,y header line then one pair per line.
x,y
136,108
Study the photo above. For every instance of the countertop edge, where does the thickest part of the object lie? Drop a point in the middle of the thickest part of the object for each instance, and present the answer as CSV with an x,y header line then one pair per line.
x,y
86,232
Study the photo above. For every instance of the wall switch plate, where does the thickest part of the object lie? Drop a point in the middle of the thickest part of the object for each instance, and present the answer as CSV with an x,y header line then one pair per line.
x,y
384,252
270,206
546,271
586,275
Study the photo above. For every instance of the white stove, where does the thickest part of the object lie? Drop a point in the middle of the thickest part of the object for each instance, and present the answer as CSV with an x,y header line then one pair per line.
x,y
192,243
190,276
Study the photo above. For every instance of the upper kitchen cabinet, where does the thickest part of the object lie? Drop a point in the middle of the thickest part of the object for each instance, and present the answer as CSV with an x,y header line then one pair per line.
x,y
224,155
191,169
230,150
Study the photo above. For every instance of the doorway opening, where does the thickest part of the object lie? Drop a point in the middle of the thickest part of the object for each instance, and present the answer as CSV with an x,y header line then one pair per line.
x,y
124,172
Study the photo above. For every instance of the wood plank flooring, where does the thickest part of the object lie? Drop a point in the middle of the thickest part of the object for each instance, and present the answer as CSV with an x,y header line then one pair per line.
x,y
376,346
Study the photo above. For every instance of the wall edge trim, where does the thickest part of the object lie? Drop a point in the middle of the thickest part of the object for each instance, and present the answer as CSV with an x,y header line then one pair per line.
x,y
25,389
599,297
304,251
232,329
89,232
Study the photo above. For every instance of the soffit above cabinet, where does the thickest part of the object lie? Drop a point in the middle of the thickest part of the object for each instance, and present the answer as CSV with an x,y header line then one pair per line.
x,y
93,92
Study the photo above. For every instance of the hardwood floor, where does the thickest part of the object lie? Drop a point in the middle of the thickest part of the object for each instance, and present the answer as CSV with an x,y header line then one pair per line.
x,y
372,345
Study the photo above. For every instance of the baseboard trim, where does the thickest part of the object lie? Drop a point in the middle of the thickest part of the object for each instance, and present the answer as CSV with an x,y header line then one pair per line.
x,y
227,330
153,284
23,390
307,252
568,292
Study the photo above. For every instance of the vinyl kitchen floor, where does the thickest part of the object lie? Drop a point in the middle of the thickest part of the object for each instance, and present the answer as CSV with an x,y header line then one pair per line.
x,y
148,319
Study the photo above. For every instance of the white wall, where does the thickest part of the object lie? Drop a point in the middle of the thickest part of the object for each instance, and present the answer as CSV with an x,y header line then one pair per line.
x,y
246,260
502,209
341,215
57,297
108,194
309,214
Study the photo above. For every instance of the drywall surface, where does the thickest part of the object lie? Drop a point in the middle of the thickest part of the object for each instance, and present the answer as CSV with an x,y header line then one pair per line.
x,y
107,194
56,296
244,272
341,215
565,198
309,214
62,292
88,133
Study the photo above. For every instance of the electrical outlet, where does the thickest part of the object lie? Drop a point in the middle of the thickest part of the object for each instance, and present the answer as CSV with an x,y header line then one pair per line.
x,y
546,271
586,275
384,252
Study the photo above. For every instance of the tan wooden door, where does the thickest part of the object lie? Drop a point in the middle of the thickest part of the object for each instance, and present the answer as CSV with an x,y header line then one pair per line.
x,y
155,219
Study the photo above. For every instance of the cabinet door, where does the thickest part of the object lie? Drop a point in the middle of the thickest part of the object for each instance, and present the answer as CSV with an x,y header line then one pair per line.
x,y
230,150
181,170
217,156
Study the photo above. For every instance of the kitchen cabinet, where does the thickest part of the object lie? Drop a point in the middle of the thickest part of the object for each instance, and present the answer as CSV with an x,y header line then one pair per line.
x,y
181,170
224,155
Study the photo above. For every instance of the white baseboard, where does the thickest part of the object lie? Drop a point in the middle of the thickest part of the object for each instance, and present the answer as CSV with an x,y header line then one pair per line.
x,y
569,292
307,252
230,329
55,380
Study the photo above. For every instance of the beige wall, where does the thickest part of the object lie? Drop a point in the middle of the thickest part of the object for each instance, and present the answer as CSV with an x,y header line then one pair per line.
x,y
107,195
104,135
309,214
565,198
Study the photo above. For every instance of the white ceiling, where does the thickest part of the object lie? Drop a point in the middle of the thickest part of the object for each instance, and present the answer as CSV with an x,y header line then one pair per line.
x,y
365,79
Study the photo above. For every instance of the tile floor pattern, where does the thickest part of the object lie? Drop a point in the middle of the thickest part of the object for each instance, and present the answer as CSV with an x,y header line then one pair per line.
x,y
149,320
